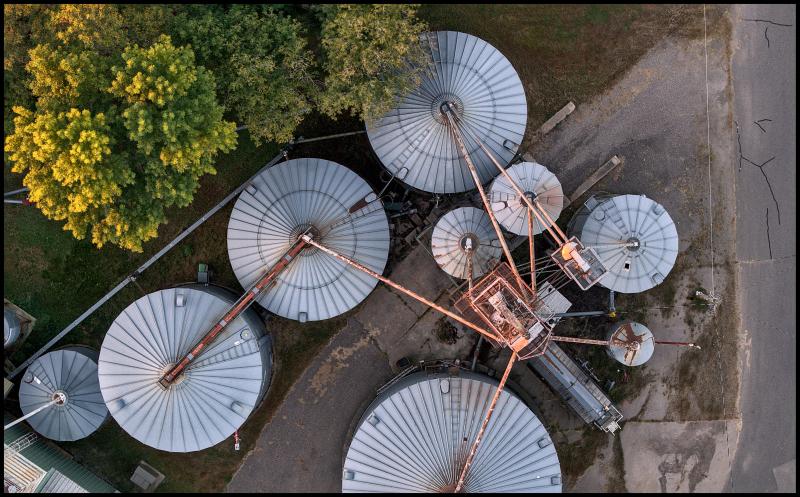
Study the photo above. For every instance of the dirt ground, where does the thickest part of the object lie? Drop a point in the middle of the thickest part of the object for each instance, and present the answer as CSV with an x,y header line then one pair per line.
x,y
654,118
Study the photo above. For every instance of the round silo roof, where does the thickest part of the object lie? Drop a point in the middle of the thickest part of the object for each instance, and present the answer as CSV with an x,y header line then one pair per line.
x,y
537,183
11,328
416,435
283,202
636,240
72,373
413,142
634,333
217,392
458,229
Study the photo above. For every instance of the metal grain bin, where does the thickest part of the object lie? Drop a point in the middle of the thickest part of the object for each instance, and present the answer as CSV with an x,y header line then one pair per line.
x,y
218,390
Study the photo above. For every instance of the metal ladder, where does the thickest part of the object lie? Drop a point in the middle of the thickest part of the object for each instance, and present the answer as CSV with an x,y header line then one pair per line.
x,y
401,160
611,210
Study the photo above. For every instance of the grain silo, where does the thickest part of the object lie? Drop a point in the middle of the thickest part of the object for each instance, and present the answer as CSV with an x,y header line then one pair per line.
x,y
630,332
538,184
339,209
217,391
460,232
633,236
11,328
416,435
413,141
69,376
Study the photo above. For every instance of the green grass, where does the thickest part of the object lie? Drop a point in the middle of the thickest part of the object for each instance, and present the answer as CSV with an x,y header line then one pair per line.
x,y
562,53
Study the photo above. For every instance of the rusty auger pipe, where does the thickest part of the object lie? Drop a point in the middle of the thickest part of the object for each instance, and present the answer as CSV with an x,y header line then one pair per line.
x,y
630,345
242,304
403,289
530,251
470,253
459,141
474,449
547,223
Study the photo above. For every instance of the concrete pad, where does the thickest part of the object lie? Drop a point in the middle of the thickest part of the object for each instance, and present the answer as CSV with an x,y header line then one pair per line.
x,y
302,447
595,478
385,317
420,273
421,343
693,456
786,476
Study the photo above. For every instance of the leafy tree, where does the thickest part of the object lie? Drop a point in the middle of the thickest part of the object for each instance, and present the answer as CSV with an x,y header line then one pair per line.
x,y
82,38
108,150
171,114
372,55
72,172
260,59
22,28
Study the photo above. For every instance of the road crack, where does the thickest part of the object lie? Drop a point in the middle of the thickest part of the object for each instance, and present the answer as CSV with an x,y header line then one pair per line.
x,y
766,178
757,123
768,21
769,242
739,139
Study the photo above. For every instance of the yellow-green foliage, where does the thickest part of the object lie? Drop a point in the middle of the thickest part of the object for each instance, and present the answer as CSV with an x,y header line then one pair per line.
x,y
115,139
72,172
115,122
260,60
372,56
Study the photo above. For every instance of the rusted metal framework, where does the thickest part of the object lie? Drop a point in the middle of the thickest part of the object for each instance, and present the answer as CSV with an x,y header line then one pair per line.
x,y
241,305
495,302
501,306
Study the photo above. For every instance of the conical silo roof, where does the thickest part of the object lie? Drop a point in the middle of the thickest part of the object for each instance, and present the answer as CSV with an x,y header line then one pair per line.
x,y
636,333
537,183
278,206
415,438
217,392
11,328
73,373
454,231
636,240
412,140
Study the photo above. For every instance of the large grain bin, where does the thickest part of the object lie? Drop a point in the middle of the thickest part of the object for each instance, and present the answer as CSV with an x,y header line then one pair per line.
x,y
413,141
341,211
218,390
416,435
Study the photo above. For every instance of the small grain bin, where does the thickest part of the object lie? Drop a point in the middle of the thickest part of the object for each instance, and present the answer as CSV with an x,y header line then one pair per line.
x,y
630,332
538,184
460,231
70,376
633,236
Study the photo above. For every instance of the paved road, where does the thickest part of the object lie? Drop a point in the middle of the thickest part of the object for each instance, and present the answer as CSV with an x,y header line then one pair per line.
x,y
764,80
